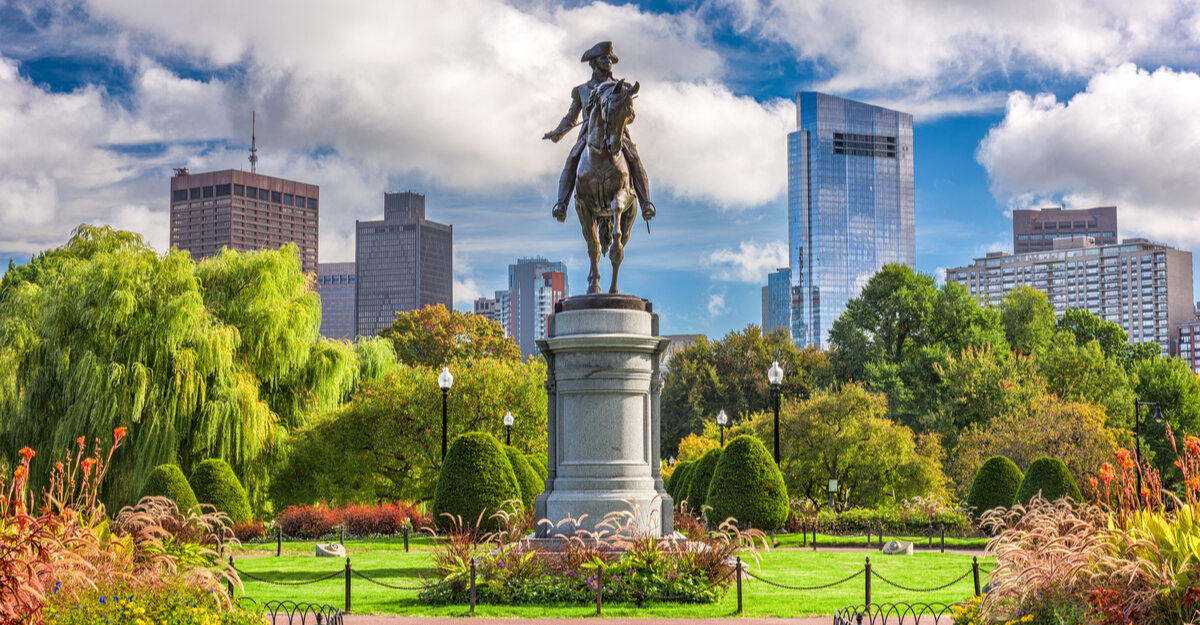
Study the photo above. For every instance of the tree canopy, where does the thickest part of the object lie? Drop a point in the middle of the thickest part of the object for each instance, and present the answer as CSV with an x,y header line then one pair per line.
x,y
433,337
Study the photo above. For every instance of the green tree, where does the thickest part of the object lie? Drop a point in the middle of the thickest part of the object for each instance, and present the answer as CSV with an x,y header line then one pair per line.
x,y
527,479
982,384
1088,327
476,482
1028,319
167,480
216,360
699,478
434,337
1084,373
1048,477
215,484
884,323
995,485
388,438
747,485
1176,389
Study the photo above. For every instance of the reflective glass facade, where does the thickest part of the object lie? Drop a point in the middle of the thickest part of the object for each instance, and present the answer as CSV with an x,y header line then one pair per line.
x,y
335,285
850,205
777,305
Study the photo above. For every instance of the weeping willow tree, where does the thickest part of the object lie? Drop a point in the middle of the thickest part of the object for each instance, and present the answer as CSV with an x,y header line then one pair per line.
x,y
216,359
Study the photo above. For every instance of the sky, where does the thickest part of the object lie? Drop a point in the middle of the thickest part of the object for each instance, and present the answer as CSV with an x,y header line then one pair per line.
x,y
1017,104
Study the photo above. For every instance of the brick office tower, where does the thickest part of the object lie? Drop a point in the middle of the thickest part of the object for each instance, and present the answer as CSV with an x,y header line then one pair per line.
x,y
243,211
403,262
1035,230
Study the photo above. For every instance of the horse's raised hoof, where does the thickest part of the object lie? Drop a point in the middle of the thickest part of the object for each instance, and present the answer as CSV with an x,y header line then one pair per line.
x,y
560,212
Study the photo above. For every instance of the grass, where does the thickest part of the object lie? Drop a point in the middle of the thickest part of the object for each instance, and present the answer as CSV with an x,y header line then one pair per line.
x,y
860,540
380,560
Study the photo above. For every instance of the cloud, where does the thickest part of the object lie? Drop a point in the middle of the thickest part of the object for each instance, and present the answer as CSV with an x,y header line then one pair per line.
x,y
716,304
750,263
1129,139
466,292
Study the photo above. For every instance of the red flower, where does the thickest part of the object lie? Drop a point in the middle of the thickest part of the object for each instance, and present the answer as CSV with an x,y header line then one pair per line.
x,y
119,433
28,453
87,465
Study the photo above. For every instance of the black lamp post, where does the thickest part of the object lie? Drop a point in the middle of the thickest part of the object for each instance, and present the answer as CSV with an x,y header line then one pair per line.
x,y
833,485
508,421
1137,435
722,419
775,377
445,381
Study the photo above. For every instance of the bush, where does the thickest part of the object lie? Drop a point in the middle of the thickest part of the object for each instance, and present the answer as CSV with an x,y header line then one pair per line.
x,y
476,479
1050,477
249,531
167,480
308,522
674,485
748,486
701,475
537,462
527,478
214,483
995,485
385,519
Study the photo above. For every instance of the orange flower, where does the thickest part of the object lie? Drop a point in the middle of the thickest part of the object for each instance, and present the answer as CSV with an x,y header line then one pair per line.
x,y
28,453
1124,459
1145,493
1193,445
80,441
58,465
1106,472
119,433
1194,482
1093,482
87,465
19,474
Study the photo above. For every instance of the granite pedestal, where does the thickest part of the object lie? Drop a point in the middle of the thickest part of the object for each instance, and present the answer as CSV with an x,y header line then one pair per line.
x,y
603,384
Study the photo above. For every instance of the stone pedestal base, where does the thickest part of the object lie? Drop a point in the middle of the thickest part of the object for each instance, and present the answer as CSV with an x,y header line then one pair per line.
x,y
602,354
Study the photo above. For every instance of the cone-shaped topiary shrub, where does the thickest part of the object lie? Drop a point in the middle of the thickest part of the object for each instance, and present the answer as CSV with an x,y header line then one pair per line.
x,y
678,479
527,478
475,477
748,486
995,485
214,482
702,474
1049,476
537,462
167,480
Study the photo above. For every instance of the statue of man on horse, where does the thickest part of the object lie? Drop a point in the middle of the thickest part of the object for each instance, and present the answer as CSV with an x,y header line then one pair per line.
x,y
603,167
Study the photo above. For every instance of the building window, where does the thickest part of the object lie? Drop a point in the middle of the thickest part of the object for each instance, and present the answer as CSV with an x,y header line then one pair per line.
x,y
312,203
264,195
239,190
194,194
208,191
276,197
222,189
179,195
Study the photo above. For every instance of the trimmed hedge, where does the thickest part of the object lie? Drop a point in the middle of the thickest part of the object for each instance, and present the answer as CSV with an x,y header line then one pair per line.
x,y
537,462
702,472
168,480
527,478
1050,477
894,519
995,485
475,478
214,483
748,486
679,476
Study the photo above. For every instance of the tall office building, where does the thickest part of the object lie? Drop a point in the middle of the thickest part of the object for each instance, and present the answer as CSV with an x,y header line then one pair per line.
x,y
777,301
243,211
1035,230
535,285
850,205
1141,286
494,308
1187,341
335,285
403,262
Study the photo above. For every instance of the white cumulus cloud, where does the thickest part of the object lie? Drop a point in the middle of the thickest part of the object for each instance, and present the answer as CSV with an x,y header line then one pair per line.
x,y
750,263
716,304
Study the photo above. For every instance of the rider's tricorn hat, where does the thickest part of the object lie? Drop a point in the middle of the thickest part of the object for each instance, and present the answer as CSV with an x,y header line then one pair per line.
x,y
604,48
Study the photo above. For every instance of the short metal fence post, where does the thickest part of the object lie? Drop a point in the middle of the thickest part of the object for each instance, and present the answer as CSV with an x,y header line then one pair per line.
x,y
868,533
278,540
599,588
868,582
472,585
738,576
347,584
943,531
881,535
343,534
975,572
231,580
405,539
931,536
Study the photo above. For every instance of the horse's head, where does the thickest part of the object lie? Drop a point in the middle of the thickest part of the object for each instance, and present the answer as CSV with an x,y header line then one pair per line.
x,y
616,111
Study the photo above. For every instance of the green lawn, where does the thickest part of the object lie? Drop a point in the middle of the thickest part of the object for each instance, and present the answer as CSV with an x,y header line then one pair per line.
x,y
860,540
378,559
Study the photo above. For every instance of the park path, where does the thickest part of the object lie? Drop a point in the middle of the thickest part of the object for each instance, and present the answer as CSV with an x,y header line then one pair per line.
x,y
410,620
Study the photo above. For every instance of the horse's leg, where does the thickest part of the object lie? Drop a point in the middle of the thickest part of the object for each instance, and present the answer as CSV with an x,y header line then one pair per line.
x,y
593,246
617,253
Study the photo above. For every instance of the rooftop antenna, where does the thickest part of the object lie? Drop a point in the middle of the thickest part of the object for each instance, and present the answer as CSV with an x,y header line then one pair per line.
x,y
253,149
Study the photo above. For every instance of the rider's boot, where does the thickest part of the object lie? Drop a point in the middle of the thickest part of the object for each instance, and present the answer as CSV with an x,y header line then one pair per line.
x,y
637,176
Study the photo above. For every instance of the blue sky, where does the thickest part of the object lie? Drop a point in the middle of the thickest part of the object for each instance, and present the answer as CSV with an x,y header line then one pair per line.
x,y
1017,104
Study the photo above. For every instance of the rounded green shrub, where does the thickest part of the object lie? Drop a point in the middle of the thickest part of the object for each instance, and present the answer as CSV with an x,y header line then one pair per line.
x,y
527,478
995,485
537,462
167,480
476,478
702,473
214,482
674,485
748,486
1050,477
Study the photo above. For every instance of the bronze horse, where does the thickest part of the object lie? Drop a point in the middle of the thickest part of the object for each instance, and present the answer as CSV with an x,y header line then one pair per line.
x,y
604,198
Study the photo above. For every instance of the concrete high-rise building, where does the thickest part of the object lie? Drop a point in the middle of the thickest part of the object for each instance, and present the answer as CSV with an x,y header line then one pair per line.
x,y
777,301
1036,229
403,262
243,211
1187,342
335,285
494,308
535,285
850,205
1141,286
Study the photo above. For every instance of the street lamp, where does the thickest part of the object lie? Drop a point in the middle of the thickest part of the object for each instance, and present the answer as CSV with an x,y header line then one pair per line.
x,y
832,492
722,419
775,377
508,421
445,381
671,462
1137,435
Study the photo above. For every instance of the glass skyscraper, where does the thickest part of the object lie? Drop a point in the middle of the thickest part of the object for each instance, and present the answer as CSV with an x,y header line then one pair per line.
x,y
850,205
